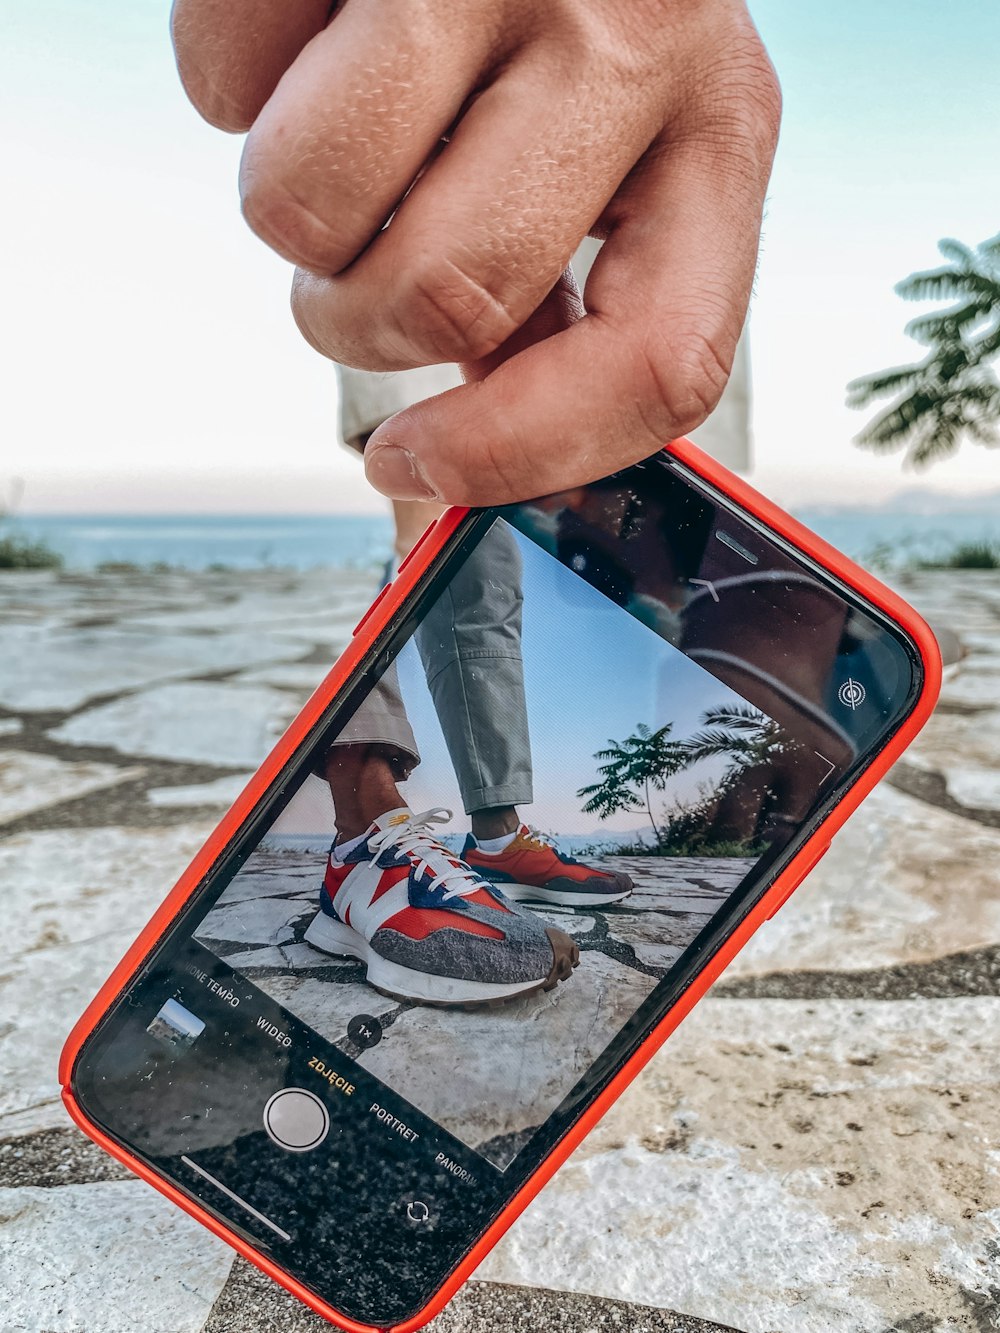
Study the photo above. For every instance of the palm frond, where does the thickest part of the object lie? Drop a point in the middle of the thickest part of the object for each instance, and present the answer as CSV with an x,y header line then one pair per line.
x,y
952,394
956,252
954,324
867,388
735,721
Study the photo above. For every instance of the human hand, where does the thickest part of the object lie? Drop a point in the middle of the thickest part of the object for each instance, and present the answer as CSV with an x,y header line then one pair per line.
x,y
652,124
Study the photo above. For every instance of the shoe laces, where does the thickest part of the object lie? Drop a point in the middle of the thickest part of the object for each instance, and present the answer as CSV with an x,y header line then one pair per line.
x,y
547,842
415,839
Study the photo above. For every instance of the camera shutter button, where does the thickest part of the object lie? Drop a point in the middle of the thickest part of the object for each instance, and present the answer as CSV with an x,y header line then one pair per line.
x,y
296,1119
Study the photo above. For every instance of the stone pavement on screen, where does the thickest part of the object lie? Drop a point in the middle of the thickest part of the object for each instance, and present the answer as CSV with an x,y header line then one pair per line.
x,y
817,1150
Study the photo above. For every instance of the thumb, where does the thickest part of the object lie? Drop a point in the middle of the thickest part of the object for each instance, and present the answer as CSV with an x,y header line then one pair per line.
x,y
400,469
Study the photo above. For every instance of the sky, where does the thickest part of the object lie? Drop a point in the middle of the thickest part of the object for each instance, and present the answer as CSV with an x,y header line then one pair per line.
x,y
150,360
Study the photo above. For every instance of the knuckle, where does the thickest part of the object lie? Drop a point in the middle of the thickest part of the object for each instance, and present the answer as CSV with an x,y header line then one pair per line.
x,y
685,377
742,95
453,315
282,219
762,91
478,467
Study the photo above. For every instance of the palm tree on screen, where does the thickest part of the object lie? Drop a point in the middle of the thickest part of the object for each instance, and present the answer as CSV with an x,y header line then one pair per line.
x,y
738,733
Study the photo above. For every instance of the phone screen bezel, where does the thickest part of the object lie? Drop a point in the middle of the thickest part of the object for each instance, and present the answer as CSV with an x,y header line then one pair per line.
x,y
692,963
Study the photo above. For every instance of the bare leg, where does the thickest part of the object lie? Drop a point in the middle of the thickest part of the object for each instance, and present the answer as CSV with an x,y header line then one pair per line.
x,y
496,822
363,782
412,517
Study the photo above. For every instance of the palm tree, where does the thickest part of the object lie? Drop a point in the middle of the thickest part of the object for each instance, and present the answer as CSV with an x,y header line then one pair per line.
x,y
741,734
952,394
632,770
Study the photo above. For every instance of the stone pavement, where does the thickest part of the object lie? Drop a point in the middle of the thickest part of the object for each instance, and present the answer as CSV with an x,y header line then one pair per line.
x,y
817,1150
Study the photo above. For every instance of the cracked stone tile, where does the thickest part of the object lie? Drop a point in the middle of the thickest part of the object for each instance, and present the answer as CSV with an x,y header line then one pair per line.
x,y
74,901
656,942
503,1079
571,922
792,1165
55,1157
964,601
325,1007
953,741
258,921
902,882
66,1267
221,792
300,676
274,875
328,602
978,788
293,957
35,781
109,660
201,722
973,684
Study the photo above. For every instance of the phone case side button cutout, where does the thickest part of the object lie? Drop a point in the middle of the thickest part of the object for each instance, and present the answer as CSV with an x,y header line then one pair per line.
x,y
797,879
371,611
421,541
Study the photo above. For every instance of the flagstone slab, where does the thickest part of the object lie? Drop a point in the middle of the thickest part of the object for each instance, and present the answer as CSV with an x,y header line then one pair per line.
x,y
902,882
503,1079
967,600
74,901
791,1165
951,742
30,782
64,1269
221,792
978,788
301,677
46,669
201,722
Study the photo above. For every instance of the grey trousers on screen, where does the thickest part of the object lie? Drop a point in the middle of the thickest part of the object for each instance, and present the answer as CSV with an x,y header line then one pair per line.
x,y
470,647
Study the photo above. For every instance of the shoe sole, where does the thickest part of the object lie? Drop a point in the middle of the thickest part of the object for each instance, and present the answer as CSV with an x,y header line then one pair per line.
x,y
404,983
531,893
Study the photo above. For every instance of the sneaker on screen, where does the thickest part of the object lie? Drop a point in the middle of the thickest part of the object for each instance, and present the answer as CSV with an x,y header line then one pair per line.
x,y
428,927
532,869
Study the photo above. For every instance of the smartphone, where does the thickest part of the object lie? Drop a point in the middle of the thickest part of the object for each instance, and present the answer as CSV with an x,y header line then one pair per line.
x,y
579,749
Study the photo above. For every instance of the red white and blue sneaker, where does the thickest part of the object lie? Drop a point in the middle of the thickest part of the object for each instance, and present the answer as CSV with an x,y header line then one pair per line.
x,y
532,869
427,926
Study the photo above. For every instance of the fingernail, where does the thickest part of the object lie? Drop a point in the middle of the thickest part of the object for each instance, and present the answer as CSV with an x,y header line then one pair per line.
x,y
396,472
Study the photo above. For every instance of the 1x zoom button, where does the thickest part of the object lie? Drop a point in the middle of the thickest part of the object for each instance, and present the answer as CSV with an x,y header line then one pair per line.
x,y
296,1119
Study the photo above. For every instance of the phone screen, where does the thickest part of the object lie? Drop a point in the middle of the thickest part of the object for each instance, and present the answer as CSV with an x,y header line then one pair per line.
x,y
608,720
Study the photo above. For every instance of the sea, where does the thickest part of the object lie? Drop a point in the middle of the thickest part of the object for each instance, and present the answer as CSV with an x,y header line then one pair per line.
x,y
890,537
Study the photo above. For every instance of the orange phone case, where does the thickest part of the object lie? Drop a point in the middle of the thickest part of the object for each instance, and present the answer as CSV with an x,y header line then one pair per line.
x,y
374,620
